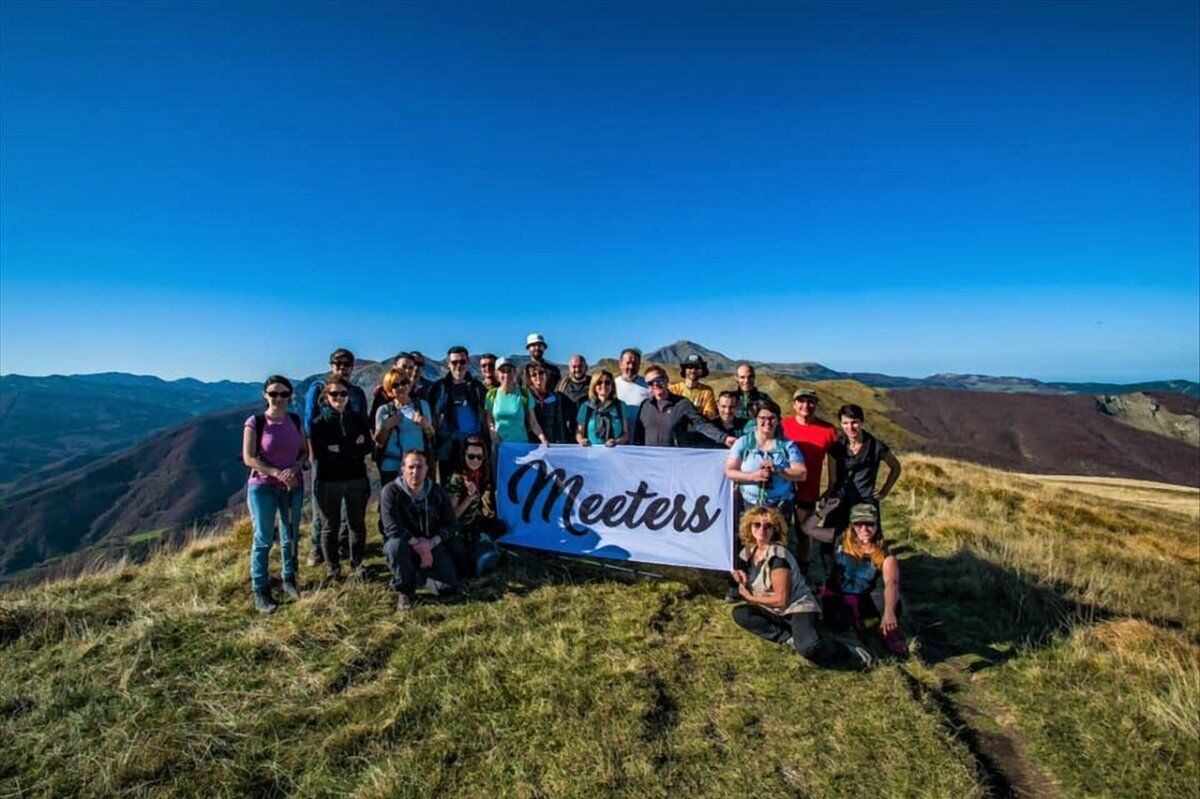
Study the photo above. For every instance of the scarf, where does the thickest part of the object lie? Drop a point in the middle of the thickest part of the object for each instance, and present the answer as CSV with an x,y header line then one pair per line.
x,y
603,420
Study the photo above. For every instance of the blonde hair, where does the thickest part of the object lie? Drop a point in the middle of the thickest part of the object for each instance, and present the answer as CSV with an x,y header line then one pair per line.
x,y
746,533
390,379
596,378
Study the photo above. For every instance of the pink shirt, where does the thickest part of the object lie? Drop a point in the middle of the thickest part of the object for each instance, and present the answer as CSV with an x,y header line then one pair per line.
x,y
281,447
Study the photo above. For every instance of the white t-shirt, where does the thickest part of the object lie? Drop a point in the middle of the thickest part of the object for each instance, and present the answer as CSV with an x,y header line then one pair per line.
x,y
632,393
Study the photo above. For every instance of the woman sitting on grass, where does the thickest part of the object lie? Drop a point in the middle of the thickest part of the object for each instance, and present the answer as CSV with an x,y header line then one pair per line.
x,y
473,549
852,595
780,608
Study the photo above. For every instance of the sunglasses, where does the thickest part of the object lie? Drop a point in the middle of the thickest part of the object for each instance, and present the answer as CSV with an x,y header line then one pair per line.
x,y
336,394
279,394
457,361
470,457
402,383
658,381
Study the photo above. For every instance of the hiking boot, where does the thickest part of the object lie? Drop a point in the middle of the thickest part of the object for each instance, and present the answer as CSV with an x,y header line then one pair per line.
x,y
316,558
264,602
404,603
289,588
862,657
733,595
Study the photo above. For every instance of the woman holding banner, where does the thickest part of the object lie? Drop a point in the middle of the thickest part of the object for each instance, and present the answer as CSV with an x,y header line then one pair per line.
x,y
601,420
779,606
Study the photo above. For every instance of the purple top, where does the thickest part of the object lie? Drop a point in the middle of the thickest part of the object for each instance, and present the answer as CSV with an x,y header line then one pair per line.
x,y
281,443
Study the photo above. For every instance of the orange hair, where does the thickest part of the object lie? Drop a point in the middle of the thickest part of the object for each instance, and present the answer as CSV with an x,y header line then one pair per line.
x,y
852,548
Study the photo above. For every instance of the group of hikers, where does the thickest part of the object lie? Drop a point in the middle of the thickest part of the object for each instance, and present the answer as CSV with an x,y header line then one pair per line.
x,y
435,443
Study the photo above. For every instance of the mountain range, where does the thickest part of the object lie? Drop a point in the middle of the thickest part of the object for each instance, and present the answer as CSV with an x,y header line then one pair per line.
x,y
50,424
676,353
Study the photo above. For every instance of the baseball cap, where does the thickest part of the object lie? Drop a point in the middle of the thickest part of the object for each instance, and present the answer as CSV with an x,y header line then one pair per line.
x,y
864,512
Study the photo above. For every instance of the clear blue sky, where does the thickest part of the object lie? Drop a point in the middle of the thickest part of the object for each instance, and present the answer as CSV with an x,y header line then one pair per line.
x,y
226,190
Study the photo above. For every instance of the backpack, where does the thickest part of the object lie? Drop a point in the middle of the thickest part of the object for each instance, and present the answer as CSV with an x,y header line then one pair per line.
x,y
260,425
780,446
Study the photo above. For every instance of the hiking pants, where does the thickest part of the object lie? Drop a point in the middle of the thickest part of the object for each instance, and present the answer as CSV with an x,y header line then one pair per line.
x,y
265,502
405,566
801,628
331,498
343,532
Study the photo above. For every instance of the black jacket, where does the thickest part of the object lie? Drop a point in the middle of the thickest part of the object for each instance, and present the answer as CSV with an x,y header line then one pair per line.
x,y
556,416
404,517
576,392
340,441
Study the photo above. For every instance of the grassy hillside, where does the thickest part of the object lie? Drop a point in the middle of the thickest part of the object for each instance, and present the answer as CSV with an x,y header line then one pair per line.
x,y
1056,655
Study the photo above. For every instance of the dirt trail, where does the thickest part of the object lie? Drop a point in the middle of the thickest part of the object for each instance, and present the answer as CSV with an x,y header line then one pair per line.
x,y
998,749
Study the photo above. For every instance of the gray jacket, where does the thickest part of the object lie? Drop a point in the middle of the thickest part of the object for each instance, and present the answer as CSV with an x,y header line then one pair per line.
x,y
668,426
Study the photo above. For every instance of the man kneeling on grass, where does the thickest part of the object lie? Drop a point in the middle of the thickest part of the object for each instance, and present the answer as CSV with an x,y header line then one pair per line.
x,y
418,522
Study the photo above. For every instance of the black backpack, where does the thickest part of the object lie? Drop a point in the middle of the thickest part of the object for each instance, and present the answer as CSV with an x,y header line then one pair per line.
x,y
260,425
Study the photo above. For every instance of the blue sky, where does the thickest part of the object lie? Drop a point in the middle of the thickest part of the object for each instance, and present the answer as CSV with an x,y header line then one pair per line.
x,y
227,190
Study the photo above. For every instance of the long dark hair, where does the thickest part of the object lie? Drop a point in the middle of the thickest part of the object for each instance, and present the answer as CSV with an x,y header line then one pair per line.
x,y
461,461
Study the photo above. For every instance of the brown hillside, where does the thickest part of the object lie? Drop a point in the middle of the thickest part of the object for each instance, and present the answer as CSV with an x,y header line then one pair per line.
x,y
165,483
1041,434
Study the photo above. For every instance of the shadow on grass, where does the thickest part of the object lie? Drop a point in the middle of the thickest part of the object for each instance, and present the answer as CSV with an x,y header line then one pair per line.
x,y
968,608
523,571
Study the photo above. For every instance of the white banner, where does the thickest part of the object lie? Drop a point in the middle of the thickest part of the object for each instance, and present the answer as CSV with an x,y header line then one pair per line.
x,y
648,504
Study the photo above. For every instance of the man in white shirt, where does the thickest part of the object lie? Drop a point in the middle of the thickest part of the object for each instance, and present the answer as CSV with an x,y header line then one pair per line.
x,y
631,387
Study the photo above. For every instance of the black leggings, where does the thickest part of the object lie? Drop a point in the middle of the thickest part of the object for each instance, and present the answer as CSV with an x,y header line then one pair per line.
x,y
801,628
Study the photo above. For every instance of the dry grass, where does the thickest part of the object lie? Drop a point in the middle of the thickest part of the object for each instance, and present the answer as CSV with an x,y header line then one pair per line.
x,y
1142,493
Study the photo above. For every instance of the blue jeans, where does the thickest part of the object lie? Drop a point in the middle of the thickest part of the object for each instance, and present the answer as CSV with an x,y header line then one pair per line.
x,y
265,501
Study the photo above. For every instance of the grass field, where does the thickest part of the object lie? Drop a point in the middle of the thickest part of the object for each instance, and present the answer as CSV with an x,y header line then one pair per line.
x,y
1055,654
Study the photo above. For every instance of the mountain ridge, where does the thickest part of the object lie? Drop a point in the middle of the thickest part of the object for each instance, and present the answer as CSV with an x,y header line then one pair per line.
x,y
675,353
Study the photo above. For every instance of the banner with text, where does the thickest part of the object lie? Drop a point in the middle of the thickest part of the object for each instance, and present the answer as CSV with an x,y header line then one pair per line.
x,y
648,504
